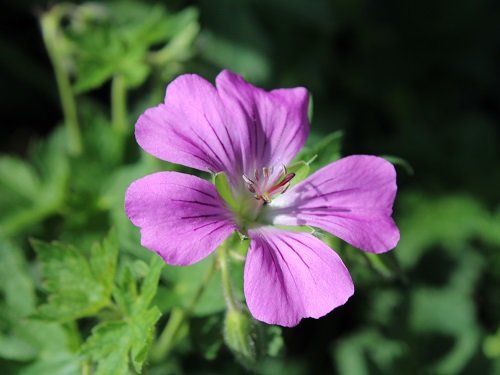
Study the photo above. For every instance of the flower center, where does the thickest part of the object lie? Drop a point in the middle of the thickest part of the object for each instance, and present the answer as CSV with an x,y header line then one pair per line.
x,y
266,184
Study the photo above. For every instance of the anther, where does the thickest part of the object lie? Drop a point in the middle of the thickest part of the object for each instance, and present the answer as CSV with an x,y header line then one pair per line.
x,y
247,180
267,171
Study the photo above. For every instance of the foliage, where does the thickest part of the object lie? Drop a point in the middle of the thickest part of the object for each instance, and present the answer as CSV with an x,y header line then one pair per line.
x,y
96,302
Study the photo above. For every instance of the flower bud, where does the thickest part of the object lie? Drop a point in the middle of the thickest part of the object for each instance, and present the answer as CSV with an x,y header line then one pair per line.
x,y
240,336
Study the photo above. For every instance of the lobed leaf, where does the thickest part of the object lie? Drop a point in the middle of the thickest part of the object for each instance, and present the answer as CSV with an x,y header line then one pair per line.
x,y
115,345
77,286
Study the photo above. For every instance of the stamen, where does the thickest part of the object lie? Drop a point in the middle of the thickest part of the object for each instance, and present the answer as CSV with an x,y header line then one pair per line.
x,y
258,187
266,198
283,182
247,180
249,184
257,175
285,189
284,171
267,171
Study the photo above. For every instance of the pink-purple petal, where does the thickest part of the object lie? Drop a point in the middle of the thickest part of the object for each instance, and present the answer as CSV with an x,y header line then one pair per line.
x,y
192,128
351,198
290,276
276,122
181,217
234,127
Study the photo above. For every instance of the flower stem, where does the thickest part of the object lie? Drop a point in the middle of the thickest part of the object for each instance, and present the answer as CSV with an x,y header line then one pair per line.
x,y
170,333
222,256
119,104
85,368
50,33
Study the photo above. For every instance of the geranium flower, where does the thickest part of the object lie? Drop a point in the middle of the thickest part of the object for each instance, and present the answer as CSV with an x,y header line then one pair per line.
x,y
251,135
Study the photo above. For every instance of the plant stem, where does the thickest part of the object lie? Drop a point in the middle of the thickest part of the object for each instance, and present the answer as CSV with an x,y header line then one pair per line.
x,y
169,335
178,316
49,25
119,104
85,368
222,257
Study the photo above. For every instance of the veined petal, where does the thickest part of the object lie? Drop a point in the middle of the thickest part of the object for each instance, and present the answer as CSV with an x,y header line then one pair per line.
x,y
351,198
192,128
181,217
290,276
276,122
236,128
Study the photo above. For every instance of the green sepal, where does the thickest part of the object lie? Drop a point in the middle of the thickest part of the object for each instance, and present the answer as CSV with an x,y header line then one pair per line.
x,y
310,108
322,149
301,170
224,189
296,228
397,161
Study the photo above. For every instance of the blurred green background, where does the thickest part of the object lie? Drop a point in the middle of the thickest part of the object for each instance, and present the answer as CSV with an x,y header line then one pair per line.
x,y
418,81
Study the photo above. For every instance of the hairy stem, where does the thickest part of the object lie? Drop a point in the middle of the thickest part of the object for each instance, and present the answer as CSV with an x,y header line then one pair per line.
x,y
85,368
51,37
222,256
178,316
119,104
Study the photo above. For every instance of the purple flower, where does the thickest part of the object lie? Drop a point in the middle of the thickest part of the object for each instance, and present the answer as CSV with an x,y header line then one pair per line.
x,y
250,135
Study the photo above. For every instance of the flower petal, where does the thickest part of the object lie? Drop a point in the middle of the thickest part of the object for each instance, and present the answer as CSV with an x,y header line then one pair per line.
x,y
351,198
290,276
181,216
276,122
192,128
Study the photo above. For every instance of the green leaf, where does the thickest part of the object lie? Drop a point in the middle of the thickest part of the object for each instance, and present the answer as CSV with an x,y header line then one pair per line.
x,y
183,31
77,286
31,192
274,340
21,338
18,300
224,189
357,353
57,364
103,258
450,220
18,178
491,345
451,312
115,345
117,38
17,286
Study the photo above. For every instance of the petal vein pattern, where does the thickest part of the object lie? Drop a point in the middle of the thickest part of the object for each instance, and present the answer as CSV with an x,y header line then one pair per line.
x,y
276,123
234,127
290,276
181,217
252,135
351,198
